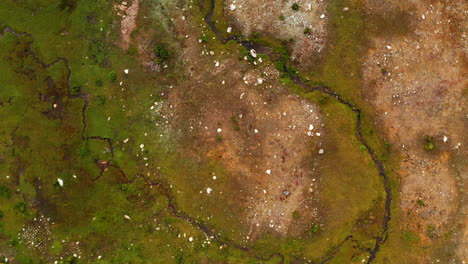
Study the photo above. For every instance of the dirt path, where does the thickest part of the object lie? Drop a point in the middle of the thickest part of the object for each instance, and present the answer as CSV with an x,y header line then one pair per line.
x,y
128,23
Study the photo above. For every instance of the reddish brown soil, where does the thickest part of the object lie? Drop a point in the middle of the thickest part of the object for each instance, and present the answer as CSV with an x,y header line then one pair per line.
x,y
417,83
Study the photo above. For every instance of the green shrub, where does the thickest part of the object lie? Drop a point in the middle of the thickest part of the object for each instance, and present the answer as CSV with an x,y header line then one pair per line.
x,y
99,83
112,76
279,65
68,5
162,54
431,231
322,100
124,187
204,38
295,7
429,145
132,51
5,192
296,214
235,122
409,237
246,54
101,100
83,150
307,31
281,18
22,208
314,229
76,89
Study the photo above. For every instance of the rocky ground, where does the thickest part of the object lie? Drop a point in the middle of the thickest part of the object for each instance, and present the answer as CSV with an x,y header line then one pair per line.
x,y
246,118
222,147
306,25
417,83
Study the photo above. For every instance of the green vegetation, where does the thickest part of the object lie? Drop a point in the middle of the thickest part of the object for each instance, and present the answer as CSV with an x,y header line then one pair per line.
x,y
67,5
235,122
307,31
101,100
429,143
431,231
281,17
95,199
99,83
295,7
83,150
322,100
314,229
112,76
296,214
76,90
5,192
204,38
161,53
409,238
421,202
384,71
22,208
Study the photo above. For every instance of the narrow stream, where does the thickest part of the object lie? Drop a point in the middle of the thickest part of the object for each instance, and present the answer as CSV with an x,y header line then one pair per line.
x,y
327,90
172,206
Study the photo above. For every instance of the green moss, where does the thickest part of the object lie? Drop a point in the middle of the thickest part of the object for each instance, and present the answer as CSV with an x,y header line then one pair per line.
x,y
112,76
5,192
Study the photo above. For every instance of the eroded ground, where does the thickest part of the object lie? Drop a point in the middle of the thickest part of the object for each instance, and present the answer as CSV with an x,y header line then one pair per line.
x,y
417,83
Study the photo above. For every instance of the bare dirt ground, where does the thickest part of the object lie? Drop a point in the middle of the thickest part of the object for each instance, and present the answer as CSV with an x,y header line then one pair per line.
x,y
129,13
261,132
264,16
418,84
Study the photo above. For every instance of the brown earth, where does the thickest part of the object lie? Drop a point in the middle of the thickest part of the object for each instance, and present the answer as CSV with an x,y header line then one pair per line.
x,y
129,13
417,83
262,133
264,16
